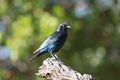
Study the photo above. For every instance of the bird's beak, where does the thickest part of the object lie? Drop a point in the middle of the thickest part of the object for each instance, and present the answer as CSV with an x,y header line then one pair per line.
x,y
68,26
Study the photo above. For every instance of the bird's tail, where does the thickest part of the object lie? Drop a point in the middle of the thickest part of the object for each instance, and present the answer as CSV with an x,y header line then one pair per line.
x,y
36,54
33,57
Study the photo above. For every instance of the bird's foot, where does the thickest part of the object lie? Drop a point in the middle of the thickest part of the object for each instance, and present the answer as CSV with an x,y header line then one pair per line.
x,y
54,56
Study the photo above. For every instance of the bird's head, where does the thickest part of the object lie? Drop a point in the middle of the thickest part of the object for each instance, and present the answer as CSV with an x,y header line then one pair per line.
x,y
63,27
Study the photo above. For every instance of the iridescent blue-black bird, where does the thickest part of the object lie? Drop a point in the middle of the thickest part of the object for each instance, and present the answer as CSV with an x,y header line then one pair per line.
x,y
53,43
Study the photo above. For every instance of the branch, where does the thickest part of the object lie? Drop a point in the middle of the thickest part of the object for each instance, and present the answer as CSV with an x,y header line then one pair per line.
x,y
53,69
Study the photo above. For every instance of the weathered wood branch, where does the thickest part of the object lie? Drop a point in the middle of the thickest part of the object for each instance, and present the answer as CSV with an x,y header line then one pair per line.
x,y
53,69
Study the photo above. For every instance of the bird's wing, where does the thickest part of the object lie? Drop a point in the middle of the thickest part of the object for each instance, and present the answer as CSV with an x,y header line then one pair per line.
x,y
52,39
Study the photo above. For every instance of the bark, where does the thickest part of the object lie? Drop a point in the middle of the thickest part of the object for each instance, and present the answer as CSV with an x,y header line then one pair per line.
x,y
54,69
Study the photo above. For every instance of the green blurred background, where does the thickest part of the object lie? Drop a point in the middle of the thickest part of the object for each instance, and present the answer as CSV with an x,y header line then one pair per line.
x,y
92,46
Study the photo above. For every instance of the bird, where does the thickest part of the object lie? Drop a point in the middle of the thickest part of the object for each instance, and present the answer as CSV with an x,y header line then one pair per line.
x,y
53,43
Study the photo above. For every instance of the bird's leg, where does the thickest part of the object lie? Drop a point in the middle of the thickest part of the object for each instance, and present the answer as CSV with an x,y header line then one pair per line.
x,y
54,56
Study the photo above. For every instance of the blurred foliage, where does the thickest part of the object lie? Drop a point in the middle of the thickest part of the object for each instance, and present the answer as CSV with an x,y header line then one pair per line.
x,y
93,44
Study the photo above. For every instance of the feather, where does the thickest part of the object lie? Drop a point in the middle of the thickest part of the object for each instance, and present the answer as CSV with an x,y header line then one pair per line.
x,y
53,43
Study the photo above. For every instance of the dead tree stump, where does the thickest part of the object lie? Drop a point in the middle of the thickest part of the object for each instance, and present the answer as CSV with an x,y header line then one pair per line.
x,y
53,69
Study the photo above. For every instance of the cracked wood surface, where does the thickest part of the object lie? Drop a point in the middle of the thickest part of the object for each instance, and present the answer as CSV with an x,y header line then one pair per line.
x,y
53,69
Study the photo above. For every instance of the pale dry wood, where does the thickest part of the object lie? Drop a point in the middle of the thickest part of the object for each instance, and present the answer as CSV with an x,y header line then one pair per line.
x,y
53,69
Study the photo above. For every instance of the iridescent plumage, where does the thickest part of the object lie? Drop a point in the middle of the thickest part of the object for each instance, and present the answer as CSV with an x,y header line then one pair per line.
x,y
53,43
